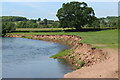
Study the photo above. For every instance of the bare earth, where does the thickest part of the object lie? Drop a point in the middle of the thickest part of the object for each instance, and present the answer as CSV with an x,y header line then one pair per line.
x,y
105,69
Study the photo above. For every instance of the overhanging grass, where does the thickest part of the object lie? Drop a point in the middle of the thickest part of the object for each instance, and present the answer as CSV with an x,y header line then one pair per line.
x,y
28,37
106,37
62,53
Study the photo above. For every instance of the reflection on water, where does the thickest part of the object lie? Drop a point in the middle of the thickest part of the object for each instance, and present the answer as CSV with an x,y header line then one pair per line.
x,y
26,58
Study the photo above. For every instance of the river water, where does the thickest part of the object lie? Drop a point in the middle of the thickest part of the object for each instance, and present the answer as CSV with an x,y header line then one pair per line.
x,y
27,58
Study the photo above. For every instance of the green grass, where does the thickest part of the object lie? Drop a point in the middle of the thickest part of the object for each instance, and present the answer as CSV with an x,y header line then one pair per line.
x,y
41,29
99,47
62,53
107,37
52,29
28,37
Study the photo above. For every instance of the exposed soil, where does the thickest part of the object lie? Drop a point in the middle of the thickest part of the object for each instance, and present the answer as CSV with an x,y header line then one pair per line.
x,y
105,69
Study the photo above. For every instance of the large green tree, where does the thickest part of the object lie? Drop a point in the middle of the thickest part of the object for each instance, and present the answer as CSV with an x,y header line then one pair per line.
x,y
75,14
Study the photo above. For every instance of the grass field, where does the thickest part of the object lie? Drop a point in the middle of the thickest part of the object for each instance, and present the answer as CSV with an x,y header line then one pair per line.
x,y
55,29
40,29
109,38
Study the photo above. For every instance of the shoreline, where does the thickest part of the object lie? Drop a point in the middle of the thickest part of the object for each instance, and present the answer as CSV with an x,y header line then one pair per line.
x,y
106,69
79,55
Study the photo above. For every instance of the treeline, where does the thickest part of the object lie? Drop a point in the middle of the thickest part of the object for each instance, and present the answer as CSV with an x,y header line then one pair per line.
x,y
10,23
108,22
22,22
13,18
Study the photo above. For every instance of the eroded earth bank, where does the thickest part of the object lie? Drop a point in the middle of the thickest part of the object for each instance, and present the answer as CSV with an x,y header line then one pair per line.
x,y
90,62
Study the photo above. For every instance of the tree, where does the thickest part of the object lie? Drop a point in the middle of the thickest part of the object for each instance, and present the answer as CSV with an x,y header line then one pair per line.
x,y
96,24
7,27
45,21
39,19
75,14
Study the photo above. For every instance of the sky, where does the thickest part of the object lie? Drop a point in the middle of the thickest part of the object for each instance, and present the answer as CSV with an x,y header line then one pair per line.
x,y
35,10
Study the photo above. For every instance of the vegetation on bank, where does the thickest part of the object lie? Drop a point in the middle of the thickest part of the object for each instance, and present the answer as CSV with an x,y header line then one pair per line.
x,y
65,53
109,38
62,53
28,37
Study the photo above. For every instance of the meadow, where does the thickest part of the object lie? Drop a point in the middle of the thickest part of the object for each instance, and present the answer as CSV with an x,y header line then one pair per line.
x,y
59,29
108,38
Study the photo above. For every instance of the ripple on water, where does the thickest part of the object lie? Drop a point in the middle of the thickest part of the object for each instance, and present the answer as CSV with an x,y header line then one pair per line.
x,y
26,58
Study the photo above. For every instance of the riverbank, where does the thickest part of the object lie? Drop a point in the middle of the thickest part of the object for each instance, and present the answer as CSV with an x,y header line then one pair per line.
x,y
108,38
78,55
105,69
102,62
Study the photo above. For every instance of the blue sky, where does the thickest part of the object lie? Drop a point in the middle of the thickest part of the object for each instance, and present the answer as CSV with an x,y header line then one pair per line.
x,y
49,9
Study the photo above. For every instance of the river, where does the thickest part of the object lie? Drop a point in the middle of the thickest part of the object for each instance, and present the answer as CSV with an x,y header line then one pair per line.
x,y
27,58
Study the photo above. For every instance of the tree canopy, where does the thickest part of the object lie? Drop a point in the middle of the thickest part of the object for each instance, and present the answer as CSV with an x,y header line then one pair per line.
x,y
7,27
39,19
75,14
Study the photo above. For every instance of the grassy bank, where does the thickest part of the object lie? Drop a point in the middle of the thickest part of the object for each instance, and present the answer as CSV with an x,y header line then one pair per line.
x,y
60,54
108,38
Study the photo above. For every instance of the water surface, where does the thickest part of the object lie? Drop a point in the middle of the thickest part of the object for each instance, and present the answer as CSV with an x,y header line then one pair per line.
x,y
27,58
